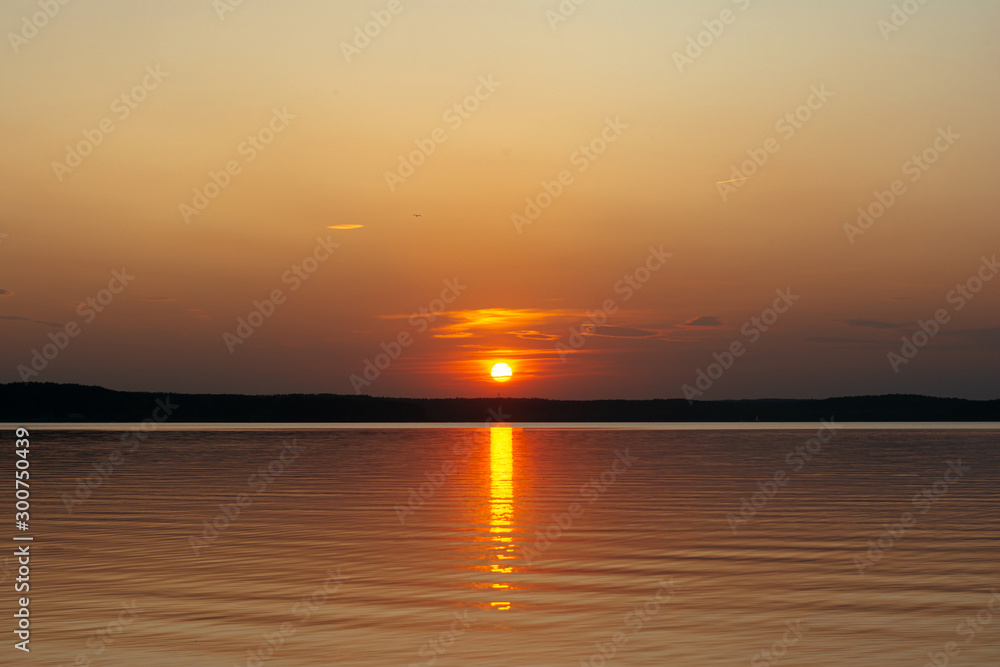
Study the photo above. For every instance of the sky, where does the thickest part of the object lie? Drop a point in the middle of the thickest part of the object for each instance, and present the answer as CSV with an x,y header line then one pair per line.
x,y
259,197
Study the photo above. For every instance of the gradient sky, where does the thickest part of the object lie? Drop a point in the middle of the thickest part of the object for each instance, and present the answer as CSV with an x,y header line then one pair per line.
x,y
654,186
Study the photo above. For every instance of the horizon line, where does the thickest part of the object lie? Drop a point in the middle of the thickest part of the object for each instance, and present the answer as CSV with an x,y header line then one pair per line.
x,y
492,398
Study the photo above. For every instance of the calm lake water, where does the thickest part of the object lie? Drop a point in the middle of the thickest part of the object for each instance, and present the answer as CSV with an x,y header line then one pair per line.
x,y
515,546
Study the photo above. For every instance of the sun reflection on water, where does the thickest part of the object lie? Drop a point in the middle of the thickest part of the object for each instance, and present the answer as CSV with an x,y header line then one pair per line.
x,y
502,505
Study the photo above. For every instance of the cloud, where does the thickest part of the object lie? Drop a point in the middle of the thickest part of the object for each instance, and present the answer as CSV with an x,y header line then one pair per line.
x,y
456,334
344,227
197,312
534,335
873,324
621,332
700,322
469,323
466,323
15,318
526,324
5,292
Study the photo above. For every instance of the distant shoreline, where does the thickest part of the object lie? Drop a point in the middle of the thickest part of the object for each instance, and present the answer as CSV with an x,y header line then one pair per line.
x,y
50,403
526,426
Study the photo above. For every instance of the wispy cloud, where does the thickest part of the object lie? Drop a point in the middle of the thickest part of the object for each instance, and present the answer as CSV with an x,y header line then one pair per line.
x,y
535,325
534,335
703,322
456,334
622,332
16,318
467,323
344,227
5,292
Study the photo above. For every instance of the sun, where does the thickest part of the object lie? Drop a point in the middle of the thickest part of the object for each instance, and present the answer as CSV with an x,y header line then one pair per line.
x,y
501,372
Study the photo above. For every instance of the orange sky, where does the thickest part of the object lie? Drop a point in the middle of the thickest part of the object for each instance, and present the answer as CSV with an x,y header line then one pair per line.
x,y
208,153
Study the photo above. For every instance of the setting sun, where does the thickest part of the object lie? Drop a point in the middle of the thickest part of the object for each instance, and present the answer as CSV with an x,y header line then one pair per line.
x,y
501,372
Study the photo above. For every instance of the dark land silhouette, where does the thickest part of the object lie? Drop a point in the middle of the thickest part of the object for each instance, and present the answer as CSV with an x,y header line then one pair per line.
x,y
35,402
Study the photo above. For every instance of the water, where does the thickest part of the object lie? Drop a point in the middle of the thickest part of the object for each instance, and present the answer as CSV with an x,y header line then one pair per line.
x,y
644,564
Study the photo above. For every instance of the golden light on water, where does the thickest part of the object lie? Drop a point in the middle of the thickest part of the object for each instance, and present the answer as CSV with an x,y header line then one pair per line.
x,y
502,504
501,480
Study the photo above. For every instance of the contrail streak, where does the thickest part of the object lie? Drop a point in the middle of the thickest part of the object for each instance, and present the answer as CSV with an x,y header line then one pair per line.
x,y
733,181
